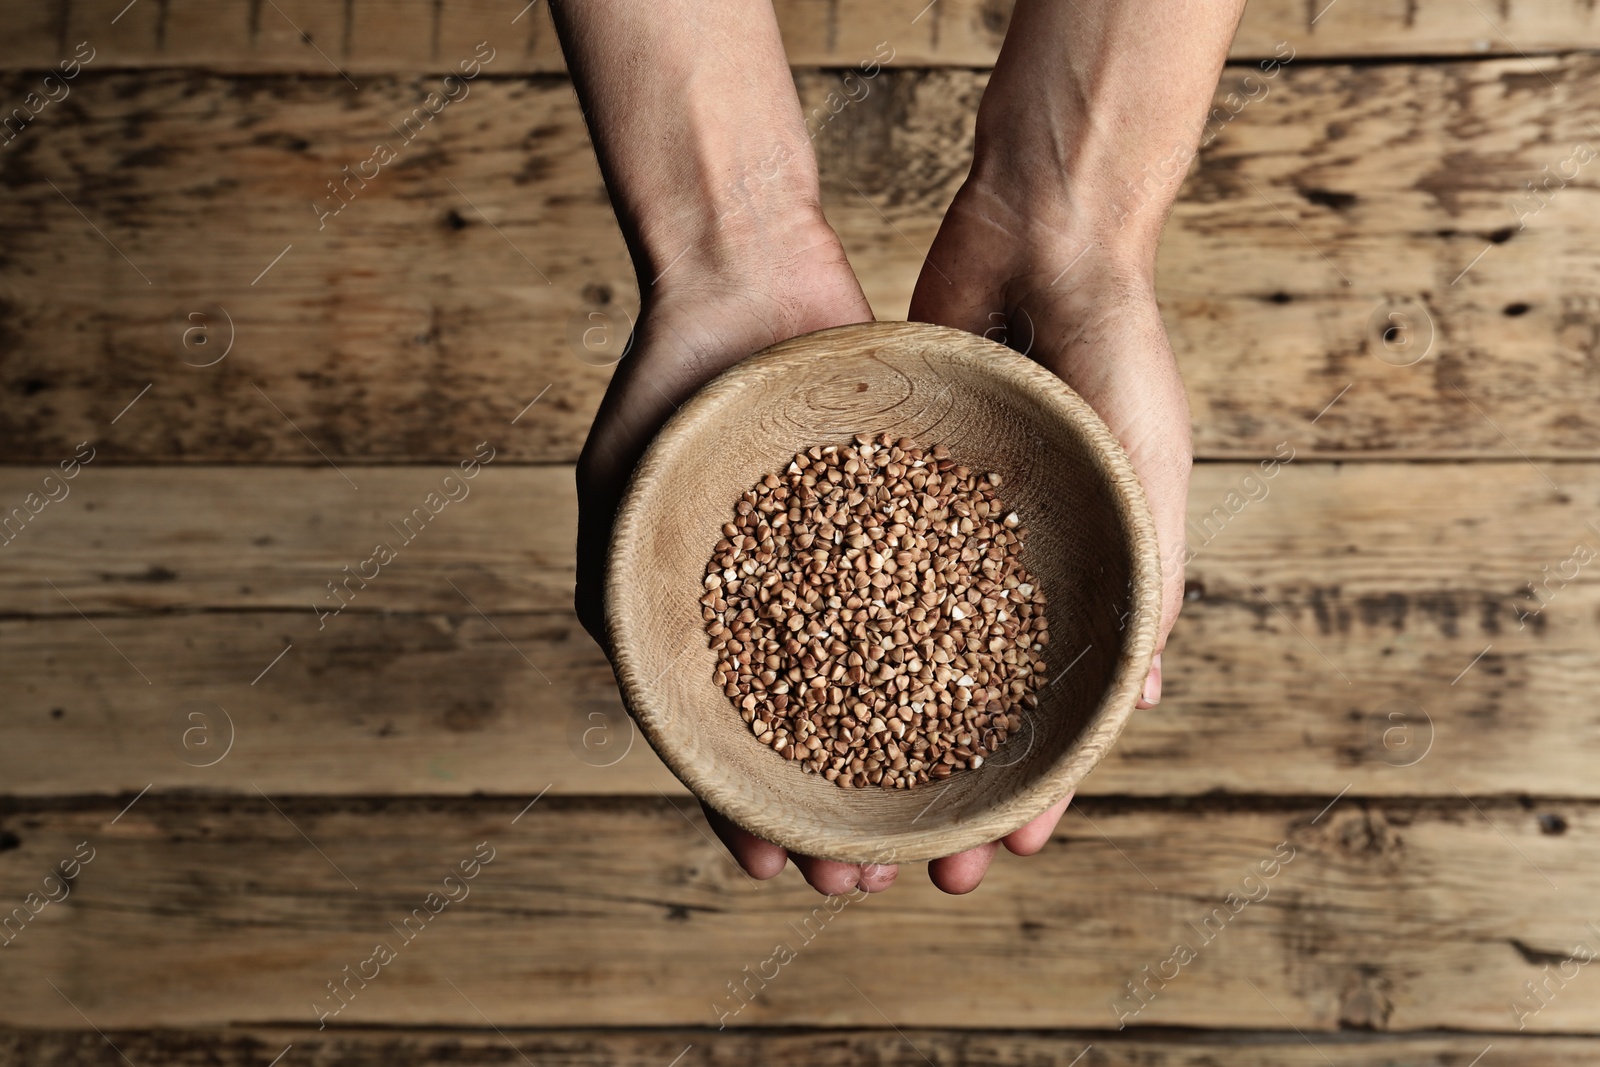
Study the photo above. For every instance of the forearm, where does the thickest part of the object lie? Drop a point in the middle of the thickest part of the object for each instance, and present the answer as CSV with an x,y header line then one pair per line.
x,y
1096,107
695,122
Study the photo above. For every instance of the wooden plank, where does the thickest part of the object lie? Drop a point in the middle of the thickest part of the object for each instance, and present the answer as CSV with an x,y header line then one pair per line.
x,y
398,704
1369,626
453,708
1387,915
254,1047
137,540
141,540
409,330
367,36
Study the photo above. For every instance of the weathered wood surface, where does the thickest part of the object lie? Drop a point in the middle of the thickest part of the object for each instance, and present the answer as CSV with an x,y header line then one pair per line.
x,y
1388,915
363,36
130,541
447,705
377,704
1393,576
409,329
138,540
255,1047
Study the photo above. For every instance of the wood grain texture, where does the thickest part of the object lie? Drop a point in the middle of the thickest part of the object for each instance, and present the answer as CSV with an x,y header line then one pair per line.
x,y
1367,629
142,540
254,1047
1397,577
409,329
1092,551
364,36
1386,915
447,705
132,541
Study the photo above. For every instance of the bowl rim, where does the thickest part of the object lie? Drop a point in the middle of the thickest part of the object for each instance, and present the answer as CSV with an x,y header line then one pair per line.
x,y
1061,777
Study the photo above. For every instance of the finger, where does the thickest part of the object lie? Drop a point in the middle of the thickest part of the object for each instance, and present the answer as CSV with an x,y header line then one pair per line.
x,y
962,872
1032,837
760,859
623,427
1151,694
829,877
876,877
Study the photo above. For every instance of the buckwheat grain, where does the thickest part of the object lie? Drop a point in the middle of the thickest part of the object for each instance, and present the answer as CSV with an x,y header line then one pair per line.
x,y
871,614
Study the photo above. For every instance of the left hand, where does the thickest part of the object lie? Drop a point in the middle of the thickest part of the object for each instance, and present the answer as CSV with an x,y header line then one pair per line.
x,y
1084,306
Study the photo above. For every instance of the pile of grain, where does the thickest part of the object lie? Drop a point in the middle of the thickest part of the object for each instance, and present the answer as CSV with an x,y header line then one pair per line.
x,y
871,614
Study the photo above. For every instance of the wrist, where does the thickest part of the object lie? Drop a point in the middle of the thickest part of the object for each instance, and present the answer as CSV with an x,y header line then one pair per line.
x,y
776,250
1049,224
725,210
1094,148
1082,183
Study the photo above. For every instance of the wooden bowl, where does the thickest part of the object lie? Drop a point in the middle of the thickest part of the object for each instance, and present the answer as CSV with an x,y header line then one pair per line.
x,y
1091,544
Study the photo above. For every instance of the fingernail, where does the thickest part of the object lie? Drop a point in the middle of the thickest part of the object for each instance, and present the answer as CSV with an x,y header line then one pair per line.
x,y
1152,682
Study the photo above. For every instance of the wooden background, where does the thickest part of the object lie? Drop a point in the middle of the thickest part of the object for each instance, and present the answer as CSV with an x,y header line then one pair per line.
x,y
1361,670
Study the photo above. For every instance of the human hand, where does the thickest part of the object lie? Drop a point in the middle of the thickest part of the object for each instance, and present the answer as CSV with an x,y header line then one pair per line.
x,y
1082,141
709,313
1084,306
705,314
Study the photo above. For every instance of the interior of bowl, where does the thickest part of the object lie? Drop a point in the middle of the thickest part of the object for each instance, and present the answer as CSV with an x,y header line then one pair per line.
x,y
1090,546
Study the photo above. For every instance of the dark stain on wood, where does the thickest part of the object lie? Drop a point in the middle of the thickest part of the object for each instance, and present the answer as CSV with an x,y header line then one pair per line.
x,y
1329,198
469,716
995,17
771,1046
1536,82
1328,617
1366,1000
1390,608
281,139
536,169
1538,957
1394,612
1552,824
154,573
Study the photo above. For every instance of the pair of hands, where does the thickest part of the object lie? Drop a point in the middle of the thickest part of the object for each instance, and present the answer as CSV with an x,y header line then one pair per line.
x,y
1083,305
